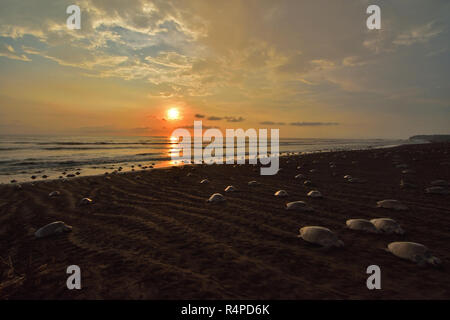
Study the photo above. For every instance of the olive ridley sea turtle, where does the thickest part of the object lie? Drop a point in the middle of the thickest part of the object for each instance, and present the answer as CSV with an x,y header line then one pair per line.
x,y
216,197
391,204
361,225
56,227
298,206
387,225
412,251
321,236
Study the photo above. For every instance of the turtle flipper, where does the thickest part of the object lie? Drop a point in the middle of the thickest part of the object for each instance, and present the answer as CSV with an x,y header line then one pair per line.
x,y
421,261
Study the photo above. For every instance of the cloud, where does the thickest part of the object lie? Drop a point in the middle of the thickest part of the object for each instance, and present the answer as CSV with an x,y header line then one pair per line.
x,y
353,61
299,124
203,127
227,118
320,64
214,118
419,34
234,119
313,124
311,63
9,52
170,59
272,123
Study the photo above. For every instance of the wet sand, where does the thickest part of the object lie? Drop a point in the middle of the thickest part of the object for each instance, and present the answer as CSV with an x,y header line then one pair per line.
x,y
152,235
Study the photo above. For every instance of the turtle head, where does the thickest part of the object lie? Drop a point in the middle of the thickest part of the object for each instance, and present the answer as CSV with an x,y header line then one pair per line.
x,y
434,261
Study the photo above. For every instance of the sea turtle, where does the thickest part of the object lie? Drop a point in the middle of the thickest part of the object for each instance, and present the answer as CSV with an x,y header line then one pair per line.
x,y
355,180
54,194
439,183
216,197
391,204
299,176
437,190
405,184
253,183
230,189
86,201
307,183
204,181
298,206
412,251
321,236
387,225
52,228
314,194
361,225
281,193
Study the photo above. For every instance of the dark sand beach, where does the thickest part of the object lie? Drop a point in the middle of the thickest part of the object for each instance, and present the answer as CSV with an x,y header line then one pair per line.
x,y
152,235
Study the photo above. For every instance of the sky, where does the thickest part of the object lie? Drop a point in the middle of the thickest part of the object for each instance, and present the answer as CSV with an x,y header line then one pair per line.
x,y
309,68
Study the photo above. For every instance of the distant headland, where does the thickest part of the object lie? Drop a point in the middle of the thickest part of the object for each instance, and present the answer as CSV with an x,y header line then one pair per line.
x,y
432,137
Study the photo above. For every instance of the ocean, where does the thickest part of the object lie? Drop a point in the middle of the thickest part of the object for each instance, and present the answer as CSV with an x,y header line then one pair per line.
x,y
50,157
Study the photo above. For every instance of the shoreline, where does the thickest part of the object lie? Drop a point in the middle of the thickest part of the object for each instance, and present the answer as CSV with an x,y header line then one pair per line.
x,y
168,164
151,234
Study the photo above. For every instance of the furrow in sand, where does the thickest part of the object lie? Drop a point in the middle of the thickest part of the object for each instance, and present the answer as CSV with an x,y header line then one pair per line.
x,y
155,237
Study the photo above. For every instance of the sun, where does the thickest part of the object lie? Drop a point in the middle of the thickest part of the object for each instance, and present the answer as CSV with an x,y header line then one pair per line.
x,y
173,114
